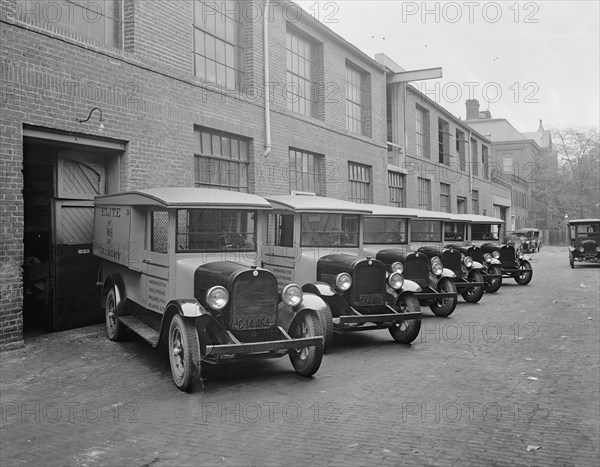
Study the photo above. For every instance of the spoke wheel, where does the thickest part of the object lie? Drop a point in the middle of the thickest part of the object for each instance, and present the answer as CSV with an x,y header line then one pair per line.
x,y
115,330
445,306
474,294
407,331
306,360
492,285
184,353
525,274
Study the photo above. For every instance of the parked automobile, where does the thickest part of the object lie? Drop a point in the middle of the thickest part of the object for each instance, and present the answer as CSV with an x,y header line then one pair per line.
x,y
529,239
180,267
468,280
513,261
316,242
584,240
386,237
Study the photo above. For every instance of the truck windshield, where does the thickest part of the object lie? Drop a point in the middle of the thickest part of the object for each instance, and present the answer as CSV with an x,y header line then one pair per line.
x,y
585,231
329,229
454,231
210,230
385,230
484,231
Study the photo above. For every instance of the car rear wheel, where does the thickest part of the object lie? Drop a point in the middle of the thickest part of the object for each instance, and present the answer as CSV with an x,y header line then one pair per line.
x,y
526,273
445,306
306,360
115,330
474,294
493,285
184,353
407,331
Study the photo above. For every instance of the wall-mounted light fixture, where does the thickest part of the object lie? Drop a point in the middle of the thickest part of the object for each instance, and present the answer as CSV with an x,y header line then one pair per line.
x,y
101,119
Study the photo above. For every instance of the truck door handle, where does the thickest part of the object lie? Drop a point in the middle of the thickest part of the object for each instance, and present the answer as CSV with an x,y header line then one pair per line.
x,y
147,260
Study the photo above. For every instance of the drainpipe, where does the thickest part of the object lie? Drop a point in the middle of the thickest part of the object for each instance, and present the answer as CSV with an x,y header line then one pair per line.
x,y
470,164
266,72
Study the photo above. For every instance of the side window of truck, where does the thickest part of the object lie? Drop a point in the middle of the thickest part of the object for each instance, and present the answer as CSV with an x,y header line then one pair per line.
x,y
158,222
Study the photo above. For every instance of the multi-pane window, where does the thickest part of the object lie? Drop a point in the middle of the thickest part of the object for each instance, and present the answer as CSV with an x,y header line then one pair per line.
x,y
460,149
474,157
443,142
221,159
388,113
507,164
301,89
424,194
100,20
359,176
305,171
355,100
217,43
475,202
445,197
461,204
159,233
484,161
422,132
397,189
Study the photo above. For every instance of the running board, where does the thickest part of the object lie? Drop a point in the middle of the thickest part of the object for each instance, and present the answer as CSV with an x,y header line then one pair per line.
x,y
141,329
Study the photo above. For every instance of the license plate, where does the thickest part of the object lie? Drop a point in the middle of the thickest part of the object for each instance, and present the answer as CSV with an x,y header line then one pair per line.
x,y
253,322
370,300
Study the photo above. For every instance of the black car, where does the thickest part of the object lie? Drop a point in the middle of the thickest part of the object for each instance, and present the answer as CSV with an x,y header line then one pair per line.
x,y
487,263
436,290
512,261
584,241
468,281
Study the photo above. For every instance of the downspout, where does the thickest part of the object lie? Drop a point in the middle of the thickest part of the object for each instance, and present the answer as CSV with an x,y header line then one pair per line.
x,y
266,72
470,165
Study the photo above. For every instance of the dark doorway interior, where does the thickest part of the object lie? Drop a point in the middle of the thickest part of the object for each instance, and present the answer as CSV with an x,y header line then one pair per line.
x,y
59,271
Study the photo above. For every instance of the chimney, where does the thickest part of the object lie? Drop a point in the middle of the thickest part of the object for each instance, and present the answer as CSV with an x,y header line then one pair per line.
x,y
485,114
472,109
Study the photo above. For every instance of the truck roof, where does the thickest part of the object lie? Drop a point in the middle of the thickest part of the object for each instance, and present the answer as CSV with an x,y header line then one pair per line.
x,y
184,197
309,203
477,219
583,221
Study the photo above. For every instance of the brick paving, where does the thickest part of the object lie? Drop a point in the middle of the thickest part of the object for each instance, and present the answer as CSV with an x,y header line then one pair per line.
x,y
463,393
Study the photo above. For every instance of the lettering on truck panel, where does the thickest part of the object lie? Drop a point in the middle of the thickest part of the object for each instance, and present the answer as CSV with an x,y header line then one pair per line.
x,y
283,275
157,294
111,234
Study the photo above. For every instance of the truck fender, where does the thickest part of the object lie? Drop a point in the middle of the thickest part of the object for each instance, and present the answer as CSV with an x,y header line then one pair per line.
x,y
114,281
310,302
321,289
495,261
410,286
187,308
448,273
477,265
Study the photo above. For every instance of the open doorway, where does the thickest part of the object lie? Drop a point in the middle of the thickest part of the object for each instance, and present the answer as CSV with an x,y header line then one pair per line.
x,y
60,181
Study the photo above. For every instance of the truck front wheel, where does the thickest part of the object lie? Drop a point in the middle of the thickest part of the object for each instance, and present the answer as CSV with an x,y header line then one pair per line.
x,y
184,353
115,330
407,331
306,360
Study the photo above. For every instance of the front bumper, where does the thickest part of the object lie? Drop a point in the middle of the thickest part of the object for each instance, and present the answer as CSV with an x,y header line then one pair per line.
x,y
462,284
356,321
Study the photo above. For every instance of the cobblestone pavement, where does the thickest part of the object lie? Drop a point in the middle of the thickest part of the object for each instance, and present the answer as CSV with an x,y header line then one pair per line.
x,y
512,380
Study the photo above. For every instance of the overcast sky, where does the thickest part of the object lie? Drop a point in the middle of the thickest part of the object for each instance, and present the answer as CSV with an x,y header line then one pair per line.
x,y
530,60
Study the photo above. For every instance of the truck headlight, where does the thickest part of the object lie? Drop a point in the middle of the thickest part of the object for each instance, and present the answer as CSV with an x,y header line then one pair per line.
x,y
468,261
291,295
435,259
396,281
496,254
487,257
343,281
581,248
398,267
520,254
598,248
217,297
437,269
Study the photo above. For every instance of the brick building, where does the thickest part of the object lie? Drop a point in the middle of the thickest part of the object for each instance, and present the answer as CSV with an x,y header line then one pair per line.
x,y
438,160
129,95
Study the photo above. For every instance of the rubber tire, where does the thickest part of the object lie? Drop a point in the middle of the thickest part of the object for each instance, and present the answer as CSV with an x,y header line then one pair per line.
x,y
571,260
475,294
493,285
190,349
307,360
406,331
327,326
528,277
445,285
115,330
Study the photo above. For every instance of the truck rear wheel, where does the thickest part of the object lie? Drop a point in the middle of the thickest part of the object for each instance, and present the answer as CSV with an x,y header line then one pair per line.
x,y
115,330
404,332
184,353
306,360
